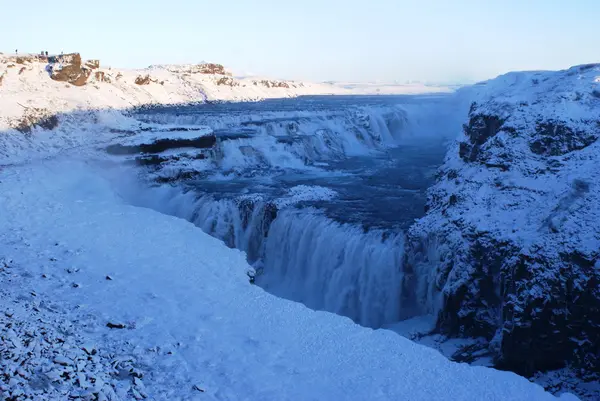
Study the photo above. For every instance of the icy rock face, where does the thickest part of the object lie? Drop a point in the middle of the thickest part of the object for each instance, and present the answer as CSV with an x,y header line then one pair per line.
x,y
510,245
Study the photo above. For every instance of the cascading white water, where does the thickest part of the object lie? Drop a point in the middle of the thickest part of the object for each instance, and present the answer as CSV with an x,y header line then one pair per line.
x,y
335,267
286,138
243,225
302,254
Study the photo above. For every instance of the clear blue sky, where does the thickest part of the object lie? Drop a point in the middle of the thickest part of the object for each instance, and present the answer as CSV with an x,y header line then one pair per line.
x,y
434,40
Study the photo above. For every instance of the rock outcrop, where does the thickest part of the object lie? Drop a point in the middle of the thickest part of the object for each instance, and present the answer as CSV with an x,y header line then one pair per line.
x,y
510,246
146,80
176,137
102,77
69,69
272,84
92,64
212,68
143,80
35,117
227,81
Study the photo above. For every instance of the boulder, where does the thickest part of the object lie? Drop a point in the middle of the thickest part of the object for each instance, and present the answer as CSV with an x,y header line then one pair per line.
x,y
142,80
70,70
101,77
92,64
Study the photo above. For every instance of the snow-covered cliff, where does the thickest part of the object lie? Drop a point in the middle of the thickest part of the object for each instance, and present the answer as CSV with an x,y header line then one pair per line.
x,y
510,246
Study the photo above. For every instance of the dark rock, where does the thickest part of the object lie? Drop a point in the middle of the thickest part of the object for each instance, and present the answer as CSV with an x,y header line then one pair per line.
x,y
92,64
156,160
197,388
273,84
228,81
142,80
480,128
556,322
48,123
35,117
101,77
585,67
555,138
211,68
160,145
71,70
535,325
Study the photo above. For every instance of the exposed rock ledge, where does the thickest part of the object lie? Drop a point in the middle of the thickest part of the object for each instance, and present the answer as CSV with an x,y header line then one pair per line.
x,y
511,239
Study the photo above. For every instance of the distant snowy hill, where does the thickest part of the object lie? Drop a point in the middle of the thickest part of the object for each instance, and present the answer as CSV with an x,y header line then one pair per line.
x,y
70,83
391,88
38,86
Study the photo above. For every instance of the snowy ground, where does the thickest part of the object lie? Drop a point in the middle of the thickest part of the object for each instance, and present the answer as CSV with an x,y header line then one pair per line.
x,y
185,322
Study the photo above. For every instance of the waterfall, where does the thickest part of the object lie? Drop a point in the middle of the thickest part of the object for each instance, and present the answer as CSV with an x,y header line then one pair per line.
x,y
301,254
241,224
304,255
335,267
309,258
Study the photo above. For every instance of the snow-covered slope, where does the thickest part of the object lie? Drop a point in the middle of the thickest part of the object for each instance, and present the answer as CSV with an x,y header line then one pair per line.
x,y
509,249
106,301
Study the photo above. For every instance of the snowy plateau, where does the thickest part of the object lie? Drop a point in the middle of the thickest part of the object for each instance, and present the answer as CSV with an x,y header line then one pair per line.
x,y
178,233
